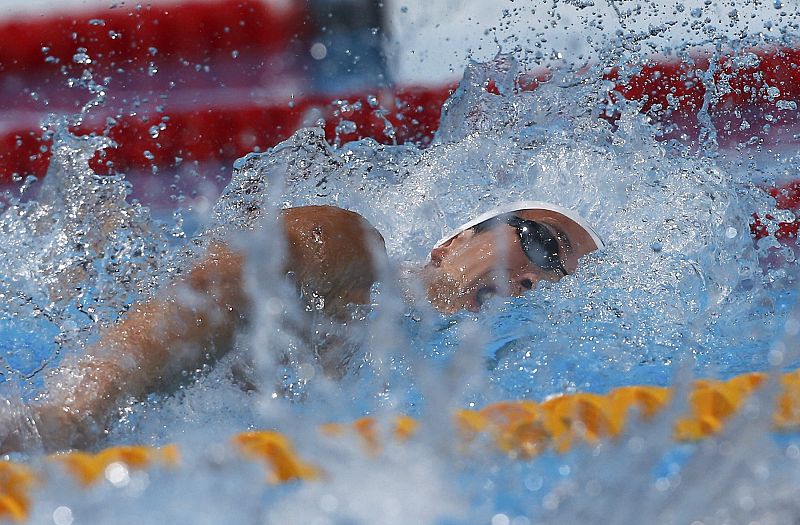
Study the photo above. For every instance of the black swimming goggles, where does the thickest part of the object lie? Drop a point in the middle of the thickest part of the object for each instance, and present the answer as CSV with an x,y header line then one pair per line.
x,y
537,241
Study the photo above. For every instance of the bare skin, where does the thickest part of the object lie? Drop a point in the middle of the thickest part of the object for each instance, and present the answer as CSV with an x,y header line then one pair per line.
x,y
331,252
472,265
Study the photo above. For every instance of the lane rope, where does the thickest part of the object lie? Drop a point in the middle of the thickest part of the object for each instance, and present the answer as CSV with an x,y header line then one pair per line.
x,y
519,429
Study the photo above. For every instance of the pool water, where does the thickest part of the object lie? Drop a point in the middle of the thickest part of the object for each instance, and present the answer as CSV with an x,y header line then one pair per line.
x,y
682,290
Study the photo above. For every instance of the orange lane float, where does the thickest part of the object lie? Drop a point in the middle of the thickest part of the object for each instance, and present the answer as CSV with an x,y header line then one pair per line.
x,y
16,482
88,468
521,429
276,451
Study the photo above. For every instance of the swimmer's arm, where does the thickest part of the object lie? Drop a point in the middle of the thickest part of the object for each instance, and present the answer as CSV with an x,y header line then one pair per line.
x,y
195,320
330,250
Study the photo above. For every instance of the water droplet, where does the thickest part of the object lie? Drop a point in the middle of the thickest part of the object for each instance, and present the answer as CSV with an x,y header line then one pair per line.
x,y
62,516
346,126
117,474
775,356
500,519
792,326
81,58
318,51
773,92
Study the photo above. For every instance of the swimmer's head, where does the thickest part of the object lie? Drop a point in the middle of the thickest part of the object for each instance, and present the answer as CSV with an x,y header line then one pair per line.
x,y
506,251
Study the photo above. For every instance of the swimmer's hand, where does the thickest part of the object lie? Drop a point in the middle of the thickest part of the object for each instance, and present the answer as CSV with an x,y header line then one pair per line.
x,y
333,254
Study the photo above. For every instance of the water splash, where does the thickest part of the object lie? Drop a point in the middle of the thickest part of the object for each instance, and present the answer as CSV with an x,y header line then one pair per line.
x,y
680,281
77,256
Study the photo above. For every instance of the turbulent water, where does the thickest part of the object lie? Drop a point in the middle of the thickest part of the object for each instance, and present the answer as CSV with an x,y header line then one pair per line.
x,y
680,289
75,259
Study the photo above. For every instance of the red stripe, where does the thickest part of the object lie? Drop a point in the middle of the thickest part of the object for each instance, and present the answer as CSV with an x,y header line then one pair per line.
x,y
760,87
213,134
755,96
223,129
191,31
228,133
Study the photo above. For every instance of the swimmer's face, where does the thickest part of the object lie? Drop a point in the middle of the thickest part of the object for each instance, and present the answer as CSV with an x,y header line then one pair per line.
x,y
504,256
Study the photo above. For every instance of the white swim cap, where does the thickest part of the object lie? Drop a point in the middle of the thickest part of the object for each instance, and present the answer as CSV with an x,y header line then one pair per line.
x,y
527,205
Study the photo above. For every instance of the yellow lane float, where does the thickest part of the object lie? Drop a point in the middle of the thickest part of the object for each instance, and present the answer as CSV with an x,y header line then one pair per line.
x,y
16,481
521,429
87,468
274,449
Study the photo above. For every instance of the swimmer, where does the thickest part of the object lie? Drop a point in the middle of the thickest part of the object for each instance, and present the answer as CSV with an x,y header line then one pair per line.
x,y
331,253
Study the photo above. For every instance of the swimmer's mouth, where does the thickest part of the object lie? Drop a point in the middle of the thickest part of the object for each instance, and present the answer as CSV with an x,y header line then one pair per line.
x,y
484,294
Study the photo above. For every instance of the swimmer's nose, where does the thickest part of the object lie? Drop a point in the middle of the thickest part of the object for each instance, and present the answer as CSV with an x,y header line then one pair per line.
x,y
526,282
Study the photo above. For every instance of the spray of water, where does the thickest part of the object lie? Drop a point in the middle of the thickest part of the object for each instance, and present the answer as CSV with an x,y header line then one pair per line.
x,y
681,281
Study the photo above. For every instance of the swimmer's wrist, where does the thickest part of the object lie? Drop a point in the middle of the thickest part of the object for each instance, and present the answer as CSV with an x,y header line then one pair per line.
x,y
75,411
20,428
61,428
